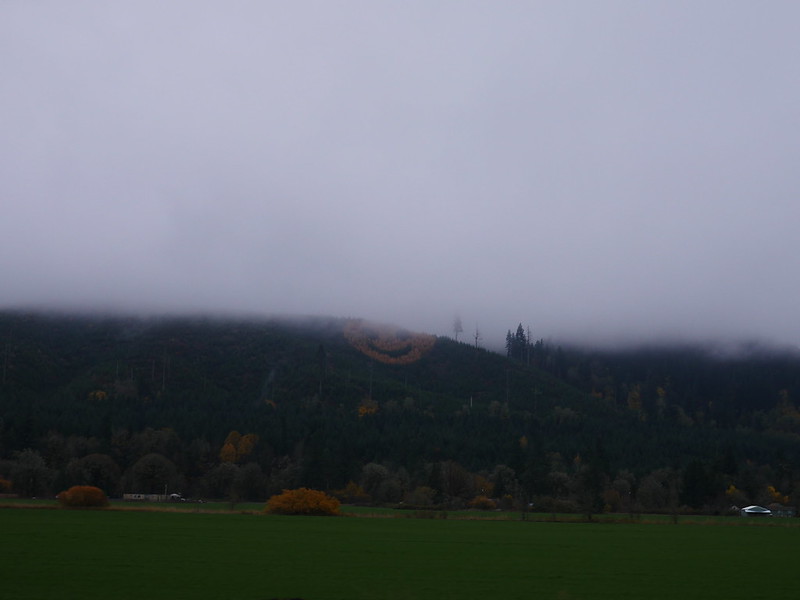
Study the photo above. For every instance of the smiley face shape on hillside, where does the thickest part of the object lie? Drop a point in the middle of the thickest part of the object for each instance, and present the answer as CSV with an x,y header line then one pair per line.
x,y
388,344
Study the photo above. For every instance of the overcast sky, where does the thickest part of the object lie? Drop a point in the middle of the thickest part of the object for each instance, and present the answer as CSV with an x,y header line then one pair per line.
x,y
597,170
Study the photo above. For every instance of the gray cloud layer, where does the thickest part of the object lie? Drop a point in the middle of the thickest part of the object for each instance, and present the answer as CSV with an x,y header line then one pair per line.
x,y
598,170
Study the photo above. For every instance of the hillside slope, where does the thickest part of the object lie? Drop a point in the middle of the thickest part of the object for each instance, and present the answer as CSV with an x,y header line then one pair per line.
x,y
325,397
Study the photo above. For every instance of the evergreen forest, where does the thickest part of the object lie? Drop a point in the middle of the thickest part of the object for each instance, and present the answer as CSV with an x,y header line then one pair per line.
x,y
240,409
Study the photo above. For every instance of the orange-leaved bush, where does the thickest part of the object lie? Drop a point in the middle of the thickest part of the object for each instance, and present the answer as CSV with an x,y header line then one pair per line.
x,y
482,503
302,501
83,496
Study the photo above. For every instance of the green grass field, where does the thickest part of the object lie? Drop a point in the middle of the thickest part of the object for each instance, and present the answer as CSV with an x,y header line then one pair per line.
x,y
68,554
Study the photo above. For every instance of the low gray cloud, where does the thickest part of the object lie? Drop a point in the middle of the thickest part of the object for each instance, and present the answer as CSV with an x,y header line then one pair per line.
x,y
598,171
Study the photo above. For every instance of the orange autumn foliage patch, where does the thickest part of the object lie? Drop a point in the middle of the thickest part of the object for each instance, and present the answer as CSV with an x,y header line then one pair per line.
x,y
303,501
368,406
482,503
237,446
352,493
83,496
388,344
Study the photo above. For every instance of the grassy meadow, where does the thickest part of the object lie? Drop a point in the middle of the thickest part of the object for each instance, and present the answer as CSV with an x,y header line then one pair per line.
x,y
205,555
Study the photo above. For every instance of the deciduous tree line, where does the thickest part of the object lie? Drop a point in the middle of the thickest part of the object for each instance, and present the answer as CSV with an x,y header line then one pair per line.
x,y
552,482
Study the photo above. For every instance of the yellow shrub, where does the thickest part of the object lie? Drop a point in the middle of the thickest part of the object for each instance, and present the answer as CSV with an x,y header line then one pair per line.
x,y
482,503
352,493
302,501
777,496
83,496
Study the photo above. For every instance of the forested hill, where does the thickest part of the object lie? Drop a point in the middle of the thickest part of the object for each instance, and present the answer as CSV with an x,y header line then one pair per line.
x,y
316,401
203,377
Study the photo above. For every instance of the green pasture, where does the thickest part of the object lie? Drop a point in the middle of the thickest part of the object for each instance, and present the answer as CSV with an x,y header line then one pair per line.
x,y
158,555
